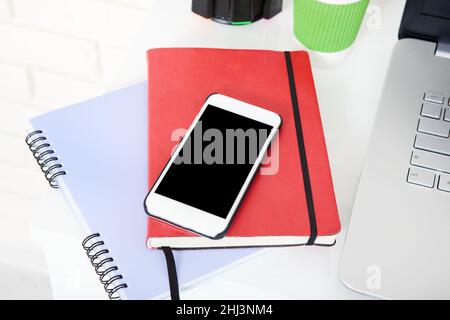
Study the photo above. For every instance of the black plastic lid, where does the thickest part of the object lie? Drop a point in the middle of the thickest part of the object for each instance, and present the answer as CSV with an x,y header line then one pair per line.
x,y
237,11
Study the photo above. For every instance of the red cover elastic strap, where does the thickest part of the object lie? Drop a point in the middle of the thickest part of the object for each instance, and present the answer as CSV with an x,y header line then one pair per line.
x,y
172,273
302,152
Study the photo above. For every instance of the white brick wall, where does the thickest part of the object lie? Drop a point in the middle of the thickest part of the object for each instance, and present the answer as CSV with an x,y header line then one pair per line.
x,y
4,9
54,53
15,117
18,155
139,4
49,50
97,20
14,81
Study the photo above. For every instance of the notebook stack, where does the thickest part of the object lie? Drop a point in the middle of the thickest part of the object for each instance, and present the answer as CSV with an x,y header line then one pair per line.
x,y
291,201
104,155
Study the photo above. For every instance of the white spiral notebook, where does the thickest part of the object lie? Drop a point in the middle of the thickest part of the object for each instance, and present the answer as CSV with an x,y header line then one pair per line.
x,y
96,153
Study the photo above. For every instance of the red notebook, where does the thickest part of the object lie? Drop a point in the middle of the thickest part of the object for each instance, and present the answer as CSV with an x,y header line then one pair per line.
x,y
291,200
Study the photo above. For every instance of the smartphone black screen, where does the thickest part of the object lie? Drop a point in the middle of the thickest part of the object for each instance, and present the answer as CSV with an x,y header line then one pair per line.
x,y
211,168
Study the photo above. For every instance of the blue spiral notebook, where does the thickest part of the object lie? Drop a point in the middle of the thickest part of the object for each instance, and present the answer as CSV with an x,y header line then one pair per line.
x,y
96,153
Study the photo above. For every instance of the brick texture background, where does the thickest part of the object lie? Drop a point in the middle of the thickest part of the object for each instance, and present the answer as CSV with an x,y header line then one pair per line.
x,y
52,53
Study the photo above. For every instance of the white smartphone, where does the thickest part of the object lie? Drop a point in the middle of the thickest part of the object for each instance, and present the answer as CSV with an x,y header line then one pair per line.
x,y
206,178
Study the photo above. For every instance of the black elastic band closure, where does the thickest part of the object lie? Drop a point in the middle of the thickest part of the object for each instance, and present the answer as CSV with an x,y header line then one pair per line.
x,y
302,152
172,273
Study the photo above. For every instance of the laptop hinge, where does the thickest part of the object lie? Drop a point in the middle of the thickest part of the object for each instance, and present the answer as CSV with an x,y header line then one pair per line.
x,y
443,49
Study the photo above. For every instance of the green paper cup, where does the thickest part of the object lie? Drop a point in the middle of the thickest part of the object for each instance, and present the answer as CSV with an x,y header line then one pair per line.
x,y
328,25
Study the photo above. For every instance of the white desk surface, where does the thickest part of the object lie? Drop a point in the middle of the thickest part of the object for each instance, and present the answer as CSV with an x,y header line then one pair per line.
x,y
348,93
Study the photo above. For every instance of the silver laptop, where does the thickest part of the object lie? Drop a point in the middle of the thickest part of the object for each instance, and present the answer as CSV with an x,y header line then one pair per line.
x,y
398,242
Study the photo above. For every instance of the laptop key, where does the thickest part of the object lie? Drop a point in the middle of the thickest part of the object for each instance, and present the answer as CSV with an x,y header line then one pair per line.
x,y
434,97
421,177
431,161
444,183
435,127
447,115
431,143
431,110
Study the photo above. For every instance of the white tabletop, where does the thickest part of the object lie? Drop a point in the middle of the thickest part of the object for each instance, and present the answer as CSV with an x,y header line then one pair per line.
x,y
348,92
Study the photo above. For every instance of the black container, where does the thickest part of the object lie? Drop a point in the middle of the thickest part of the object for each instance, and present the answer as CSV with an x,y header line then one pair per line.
x,y
237,12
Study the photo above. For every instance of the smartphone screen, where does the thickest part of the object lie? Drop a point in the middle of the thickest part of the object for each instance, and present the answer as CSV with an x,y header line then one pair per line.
x,y
209,171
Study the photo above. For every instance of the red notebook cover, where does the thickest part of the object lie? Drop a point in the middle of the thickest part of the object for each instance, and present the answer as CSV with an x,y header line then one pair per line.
x,y
292,205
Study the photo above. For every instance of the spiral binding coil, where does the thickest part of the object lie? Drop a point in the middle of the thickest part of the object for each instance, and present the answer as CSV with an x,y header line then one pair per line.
x,y
102,263
45,157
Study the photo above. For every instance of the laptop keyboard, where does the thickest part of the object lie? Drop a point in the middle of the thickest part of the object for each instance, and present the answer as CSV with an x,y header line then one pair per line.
x,y
430,159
